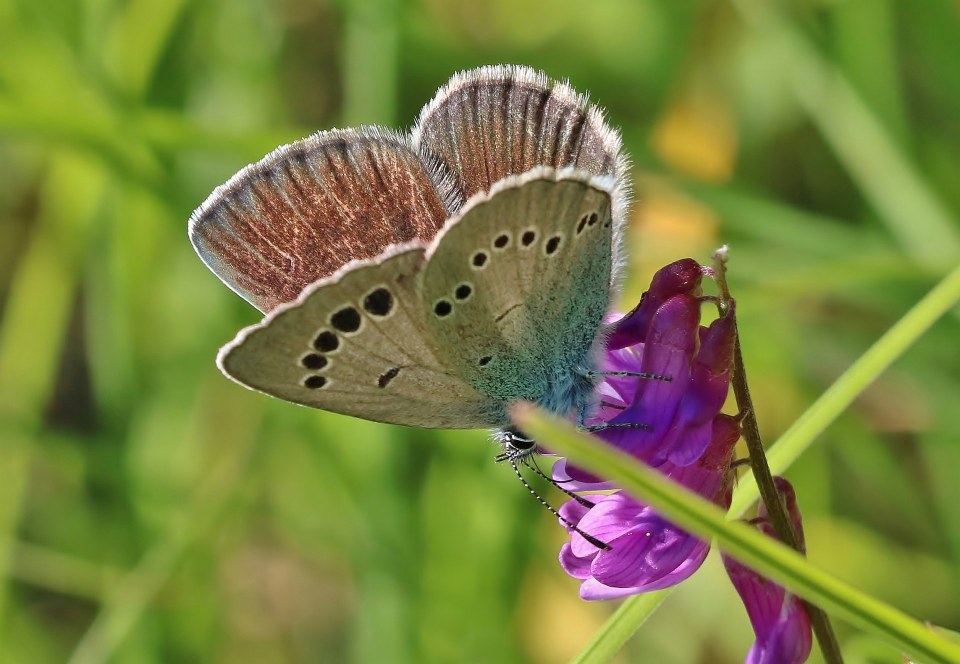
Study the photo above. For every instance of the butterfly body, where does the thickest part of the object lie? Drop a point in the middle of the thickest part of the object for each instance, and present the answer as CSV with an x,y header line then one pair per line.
x,y
432,280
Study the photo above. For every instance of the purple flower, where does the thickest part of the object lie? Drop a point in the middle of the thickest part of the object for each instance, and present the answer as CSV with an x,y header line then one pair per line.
x,y
677,278
646,552
779,619
679,411
688,439
669,341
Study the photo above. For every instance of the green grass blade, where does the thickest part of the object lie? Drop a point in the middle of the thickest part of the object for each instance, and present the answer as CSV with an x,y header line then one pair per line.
x,y
618,629
893,185
941,299
762,553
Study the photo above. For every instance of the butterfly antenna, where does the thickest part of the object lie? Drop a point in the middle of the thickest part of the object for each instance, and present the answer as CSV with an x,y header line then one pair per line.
x,y
590,538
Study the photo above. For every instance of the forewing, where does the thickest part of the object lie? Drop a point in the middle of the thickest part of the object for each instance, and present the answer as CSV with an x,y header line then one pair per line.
x,y
312,206
496,121
516,287
356,344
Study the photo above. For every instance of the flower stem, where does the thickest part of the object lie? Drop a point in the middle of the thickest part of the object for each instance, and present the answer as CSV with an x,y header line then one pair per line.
x,y
776,510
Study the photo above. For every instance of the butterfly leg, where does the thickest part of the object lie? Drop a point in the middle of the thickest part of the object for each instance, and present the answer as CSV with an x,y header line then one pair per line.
x,y
635,426
582,424
582,418
615,406
593,375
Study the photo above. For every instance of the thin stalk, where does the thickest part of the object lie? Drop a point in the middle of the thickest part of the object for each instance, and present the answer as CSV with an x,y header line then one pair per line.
x,y
776,510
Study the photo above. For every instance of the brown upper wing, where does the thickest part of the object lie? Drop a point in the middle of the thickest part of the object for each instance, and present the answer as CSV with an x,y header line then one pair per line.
x,y
312,206
496,121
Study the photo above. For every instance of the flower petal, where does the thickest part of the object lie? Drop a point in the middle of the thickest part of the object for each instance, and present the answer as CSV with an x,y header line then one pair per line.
x,y
572,511
681,277
572,478
686,444
779,619
643,556
669,348
592,590
789,641
704,394
789,498
611,517
574,565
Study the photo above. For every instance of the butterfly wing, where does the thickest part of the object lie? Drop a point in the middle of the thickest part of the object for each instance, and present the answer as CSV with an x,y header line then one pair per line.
x,y
495,121
372,338
492,122
308,208
356,343
516,287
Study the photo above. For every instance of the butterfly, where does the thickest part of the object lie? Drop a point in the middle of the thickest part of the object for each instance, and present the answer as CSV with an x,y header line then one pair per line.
x,y
429,278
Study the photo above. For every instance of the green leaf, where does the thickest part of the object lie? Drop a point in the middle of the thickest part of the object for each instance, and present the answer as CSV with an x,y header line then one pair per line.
x,y
941,299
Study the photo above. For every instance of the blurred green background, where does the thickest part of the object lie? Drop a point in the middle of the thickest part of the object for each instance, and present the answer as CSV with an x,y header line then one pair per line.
x,y
153,511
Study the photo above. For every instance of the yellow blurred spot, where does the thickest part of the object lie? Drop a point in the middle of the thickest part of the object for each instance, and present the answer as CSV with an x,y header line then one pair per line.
x,y
562,622
696,136
666,225
670,216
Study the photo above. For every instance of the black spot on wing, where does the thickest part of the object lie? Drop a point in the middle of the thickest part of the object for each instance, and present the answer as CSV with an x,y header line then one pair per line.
x,y
387,376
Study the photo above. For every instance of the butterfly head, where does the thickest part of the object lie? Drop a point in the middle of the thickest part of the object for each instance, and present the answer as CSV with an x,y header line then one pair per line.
x,y
515,444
